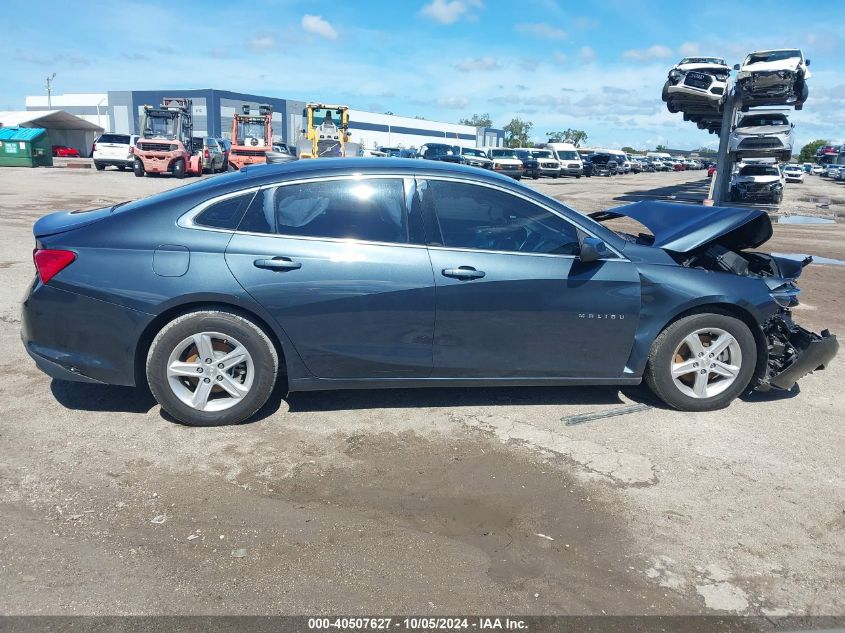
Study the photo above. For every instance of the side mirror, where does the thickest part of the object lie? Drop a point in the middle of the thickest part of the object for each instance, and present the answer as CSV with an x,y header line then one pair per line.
x,y
736,66
592,248
807,62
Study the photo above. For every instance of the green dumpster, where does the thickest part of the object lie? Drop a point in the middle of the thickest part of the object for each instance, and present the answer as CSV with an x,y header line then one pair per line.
x,y
25,147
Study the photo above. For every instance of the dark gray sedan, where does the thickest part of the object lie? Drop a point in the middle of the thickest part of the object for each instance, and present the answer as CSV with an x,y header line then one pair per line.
x,y
357,273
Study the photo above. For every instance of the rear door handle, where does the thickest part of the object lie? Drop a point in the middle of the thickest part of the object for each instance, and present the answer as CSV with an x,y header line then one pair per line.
x,y
463,272
277,263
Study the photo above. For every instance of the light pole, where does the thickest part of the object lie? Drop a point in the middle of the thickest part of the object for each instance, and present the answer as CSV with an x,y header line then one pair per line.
x,y
99,103
50,91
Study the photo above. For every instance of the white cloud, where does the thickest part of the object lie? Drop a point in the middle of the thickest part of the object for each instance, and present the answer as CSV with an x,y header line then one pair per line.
x,y
587,54
690,49
652,52
318,26
541,29
450,11
454,103
470,64
561,58
262,43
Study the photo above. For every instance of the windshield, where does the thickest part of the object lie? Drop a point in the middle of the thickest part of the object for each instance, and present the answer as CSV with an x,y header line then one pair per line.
x,y
503,153
160,125
249,130
703,60
600,158
758,170
792,168
772,56
473,152
568,155
541,153
763,119
327,116
438,150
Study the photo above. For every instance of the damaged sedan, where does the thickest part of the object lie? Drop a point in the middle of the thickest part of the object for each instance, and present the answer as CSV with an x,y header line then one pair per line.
x,y
776,77
362,274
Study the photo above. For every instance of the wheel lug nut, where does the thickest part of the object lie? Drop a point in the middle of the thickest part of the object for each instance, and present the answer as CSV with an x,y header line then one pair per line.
x,y
703,371
219,377
220,365
695,364
208,360
199,370
206,379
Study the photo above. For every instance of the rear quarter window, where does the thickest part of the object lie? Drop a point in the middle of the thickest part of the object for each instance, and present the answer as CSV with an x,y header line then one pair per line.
x,y
225,213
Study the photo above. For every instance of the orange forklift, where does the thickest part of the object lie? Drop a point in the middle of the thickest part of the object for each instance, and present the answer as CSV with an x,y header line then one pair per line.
x,y
252,136
166,144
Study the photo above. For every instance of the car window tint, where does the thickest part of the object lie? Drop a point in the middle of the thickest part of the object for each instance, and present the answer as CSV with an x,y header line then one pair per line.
x,y
225,214
114,138
472,216
372,210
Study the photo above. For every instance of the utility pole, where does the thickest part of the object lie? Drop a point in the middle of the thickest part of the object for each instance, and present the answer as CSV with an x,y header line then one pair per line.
x,y
50,91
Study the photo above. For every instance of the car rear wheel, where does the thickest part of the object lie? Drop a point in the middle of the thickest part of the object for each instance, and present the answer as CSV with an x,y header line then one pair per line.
x,y
211,368
701,362
179,168
99,166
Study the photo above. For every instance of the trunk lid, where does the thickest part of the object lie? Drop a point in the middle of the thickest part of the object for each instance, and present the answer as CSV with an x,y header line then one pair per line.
x,y
682,228
62,221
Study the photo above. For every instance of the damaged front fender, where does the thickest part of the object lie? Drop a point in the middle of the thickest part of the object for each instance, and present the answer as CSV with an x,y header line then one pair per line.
x,y
794,352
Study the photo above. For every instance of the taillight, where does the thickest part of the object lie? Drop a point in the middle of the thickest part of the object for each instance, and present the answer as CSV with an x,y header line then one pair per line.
x,y
50,262
205,152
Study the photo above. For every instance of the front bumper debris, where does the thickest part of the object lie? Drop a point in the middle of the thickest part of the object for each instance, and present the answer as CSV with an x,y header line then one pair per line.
x,y
794,352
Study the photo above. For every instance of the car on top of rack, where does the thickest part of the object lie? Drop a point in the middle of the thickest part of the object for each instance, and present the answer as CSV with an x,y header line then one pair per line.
x,y
775,77
696,79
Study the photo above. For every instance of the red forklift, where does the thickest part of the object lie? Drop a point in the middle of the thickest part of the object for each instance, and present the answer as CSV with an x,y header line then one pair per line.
x,y
252,136
166,144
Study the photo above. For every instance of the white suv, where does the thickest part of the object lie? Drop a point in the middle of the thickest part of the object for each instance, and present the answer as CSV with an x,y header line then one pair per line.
x,y
115,150
696,79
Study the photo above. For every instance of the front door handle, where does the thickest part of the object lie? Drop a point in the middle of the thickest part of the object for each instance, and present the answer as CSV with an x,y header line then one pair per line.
x,y
277,263
463,272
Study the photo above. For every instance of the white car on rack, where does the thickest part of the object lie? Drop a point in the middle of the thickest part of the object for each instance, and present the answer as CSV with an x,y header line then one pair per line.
x,y
763,134
776,77
696,79
793,173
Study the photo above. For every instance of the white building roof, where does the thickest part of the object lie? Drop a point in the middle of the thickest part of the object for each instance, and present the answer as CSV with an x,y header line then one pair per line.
x,y
51,119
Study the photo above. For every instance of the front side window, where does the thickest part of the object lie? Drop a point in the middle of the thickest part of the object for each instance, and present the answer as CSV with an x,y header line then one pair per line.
x,y
473,216
372,210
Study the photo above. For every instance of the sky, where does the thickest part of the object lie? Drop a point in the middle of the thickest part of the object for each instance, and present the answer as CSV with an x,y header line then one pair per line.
x,y
597,67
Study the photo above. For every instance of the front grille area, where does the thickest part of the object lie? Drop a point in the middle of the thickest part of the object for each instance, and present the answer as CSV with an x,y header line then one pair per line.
x,y
248,152
154,147
760,143
548,165
698,80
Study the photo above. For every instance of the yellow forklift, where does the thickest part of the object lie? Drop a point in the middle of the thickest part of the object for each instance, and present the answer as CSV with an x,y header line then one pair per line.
x,y
325,132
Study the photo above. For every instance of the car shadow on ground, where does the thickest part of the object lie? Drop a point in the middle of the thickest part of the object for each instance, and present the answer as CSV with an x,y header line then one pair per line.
x,y
774,395
92,397
108,398
693,191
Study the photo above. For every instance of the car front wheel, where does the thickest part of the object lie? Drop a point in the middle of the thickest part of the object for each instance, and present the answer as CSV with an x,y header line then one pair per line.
x,y
210,368
701,362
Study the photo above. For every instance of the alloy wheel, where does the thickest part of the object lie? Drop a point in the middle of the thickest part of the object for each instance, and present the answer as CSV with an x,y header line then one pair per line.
x,y
706,362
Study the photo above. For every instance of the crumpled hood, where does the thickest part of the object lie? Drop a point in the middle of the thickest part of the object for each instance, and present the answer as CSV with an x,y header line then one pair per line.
x,y
791,63
683,228
762,130
704,68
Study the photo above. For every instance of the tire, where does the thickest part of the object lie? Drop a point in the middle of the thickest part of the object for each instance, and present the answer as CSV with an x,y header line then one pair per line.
x,y
99,166
252,377
701,389
578,176
536,177
138,168
178,168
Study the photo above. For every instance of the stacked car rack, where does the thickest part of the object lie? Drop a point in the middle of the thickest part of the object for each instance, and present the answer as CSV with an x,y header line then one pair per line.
x,y
702,90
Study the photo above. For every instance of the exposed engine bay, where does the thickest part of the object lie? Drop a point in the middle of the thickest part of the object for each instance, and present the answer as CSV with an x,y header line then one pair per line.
x,y
717,239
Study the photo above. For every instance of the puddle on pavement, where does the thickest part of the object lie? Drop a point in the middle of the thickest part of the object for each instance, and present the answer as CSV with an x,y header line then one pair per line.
x,y
535,524
816,258
804,219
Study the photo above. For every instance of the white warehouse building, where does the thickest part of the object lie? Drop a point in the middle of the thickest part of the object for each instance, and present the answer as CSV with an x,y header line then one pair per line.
x,y
120,112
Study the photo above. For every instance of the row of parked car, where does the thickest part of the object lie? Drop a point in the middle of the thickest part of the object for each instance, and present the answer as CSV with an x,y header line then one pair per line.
x,y
115,150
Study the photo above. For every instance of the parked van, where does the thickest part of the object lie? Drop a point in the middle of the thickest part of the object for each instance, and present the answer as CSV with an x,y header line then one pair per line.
x,y
568,157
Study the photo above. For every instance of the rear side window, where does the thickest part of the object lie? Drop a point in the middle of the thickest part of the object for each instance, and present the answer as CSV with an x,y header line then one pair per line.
x,y
123,139
472,216
372,210
226,213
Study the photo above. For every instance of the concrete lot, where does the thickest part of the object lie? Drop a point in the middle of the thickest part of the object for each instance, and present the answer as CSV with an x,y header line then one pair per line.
x,y
436,501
